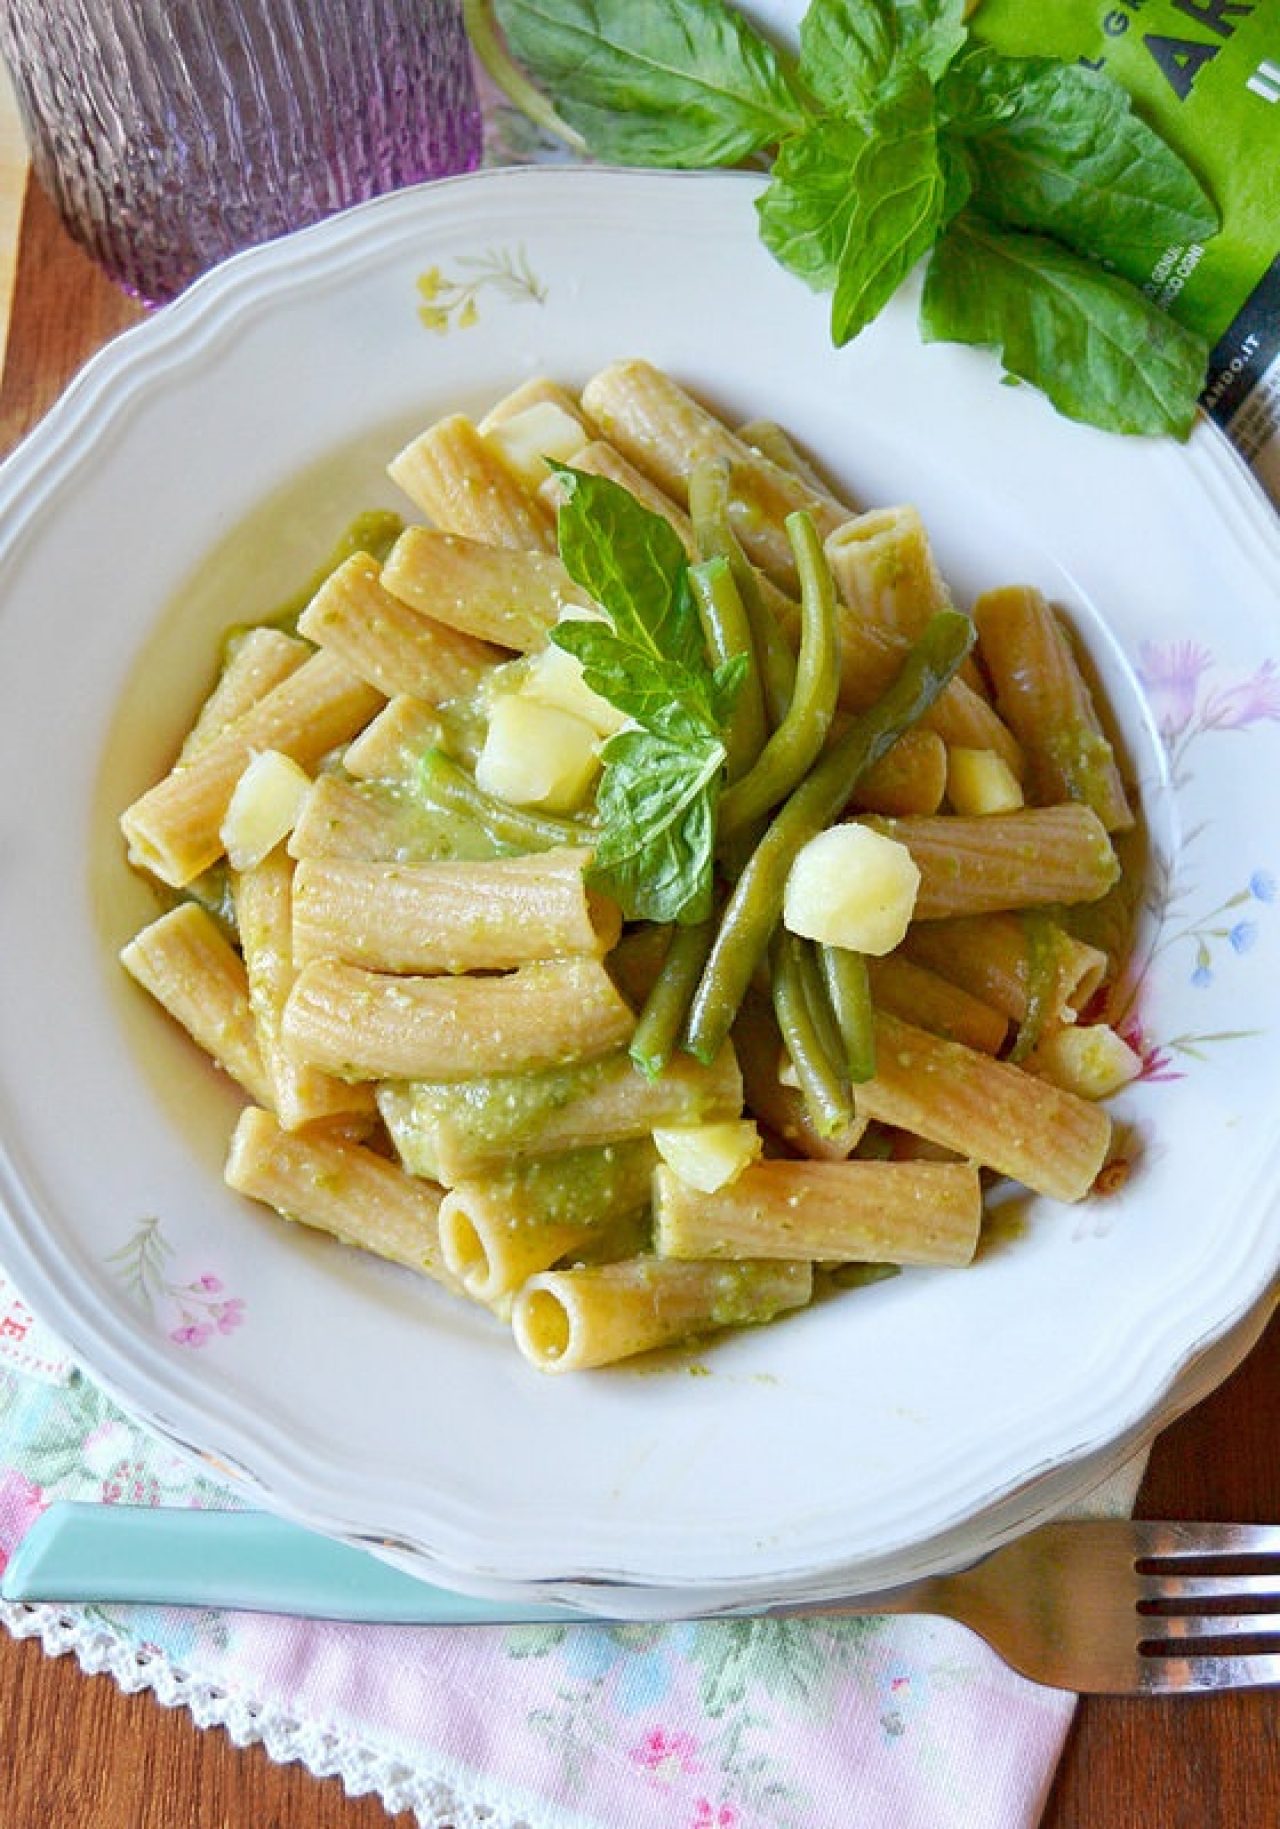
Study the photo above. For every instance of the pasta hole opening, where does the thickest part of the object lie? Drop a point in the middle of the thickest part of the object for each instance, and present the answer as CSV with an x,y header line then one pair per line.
x,y
464,1250
543,1326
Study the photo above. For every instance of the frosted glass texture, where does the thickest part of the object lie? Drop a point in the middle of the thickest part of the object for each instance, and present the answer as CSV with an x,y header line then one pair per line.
x,y
170,133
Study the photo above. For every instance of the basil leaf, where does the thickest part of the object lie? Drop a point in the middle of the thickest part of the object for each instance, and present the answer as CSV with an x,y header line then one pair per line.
x,y
932,32
1098,348
901,196
978,90
639,684
847,49
669,82
850,49
807,212
1072,160
633,564
657,802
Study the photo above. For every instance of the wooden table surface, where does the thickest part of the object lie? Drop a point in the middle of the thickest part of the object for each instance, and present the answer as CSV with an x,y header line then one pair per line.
x,y
81,1753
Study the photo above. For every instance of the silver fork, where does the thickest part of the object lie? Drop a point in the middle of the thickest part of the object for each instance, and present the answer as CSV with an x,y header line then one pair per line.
x,y
1115,1606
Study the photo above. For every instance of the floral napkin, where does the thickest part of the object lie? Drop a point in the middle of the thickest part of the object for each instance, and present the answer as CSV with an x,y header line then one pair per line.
x,y
727,1725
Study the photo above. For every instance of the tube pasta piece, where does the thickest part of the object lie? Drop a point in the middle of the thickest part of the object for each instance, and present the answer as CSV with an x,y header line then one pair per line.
x,y
458,1131
871,656
371,1026
450,917
336,1186
568,1320
1028,859
885,570
463,487
664,432
393,647
774,442
199,978
173,829
264,915
781,1108
911,778
1043,697
496,1233
258,660
392,744
988,955
538,390
912,991
829,1212
372,821
491,592
600,458
988,1111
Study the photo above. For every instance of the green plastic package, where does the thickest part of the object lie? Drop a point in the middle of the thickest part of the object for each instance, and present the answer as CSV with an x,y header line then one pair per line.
x,y
1206,75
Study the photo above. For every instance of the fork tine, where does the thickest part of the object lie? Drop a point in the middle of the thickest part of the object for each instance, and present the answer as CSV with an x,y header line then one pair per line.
x,y
1195,1541
1162,1676
1168,1628
1226,1588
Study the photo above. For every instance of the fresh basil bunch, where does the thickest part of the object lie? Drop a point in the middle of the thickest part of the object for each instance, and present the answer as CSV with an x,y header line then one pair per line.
x,y
1040,199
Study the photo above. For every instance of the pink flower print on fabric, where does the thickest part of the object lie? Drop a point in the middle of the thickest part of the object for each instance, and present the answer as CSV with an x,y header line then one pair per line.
x,y
666,1754
707,1815
21,1502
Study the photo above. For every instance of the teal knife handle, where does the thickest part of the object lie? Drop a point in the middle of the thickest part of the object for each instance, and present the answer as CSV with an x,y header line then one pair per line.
x,y
247,1561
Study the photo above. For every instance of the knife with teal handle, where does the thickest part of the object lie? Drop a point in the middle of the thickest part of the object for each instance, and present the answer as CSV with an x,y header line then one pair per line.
x,y
244,1560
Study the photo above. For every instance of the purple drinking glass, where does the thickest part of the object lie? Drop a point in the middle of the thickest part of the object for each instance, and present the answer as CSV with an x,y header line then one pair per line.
x,y
171,133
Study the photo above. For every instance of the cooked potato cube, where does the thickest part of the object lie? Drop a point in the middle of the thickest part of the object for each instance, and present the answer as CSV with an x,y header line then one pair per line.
x,y
263,808
536,755
709,1156
980,781
1090,1060
555,678
526,440
853,887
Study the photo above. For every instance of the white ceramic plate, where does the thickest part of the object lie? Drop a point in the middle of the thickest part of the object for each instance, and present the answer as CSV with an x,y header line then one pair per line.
x,y
190,479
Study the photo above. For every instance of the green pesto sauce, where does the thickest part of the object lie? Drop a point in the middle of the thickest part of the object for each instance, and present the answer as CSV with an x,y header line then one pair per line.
x,y
1084,760
509,1109
747,1295
588,1186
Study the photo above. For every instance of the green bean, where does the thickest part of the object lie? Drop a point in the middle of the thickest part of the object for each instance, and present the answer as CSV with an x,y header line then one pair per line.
x,y
452,790
667,1004
1042,937
845,975
794,746
808,1034
728,634
715,539
755,905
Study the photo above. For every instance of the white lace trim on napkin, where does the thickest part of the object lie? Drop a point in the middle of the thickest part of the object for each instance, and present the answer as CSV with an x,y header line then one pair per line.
x,y
324,1751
